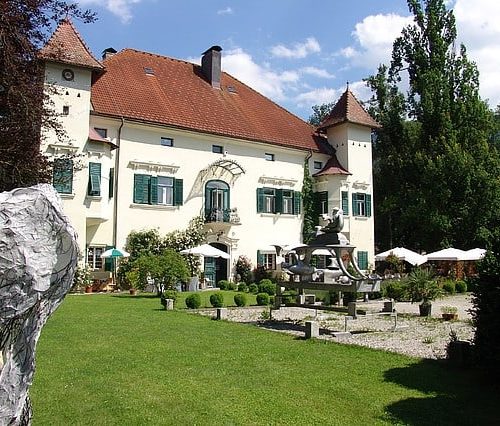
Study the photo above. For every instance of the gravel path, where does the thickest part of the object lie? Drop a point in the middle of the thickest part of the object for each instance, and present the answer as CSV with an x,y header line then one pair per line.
x,y
413,335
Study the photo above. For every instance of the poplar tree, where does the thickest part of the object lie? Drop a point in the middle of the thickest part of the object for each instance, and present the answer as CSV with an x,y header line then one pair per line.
x,y
436,170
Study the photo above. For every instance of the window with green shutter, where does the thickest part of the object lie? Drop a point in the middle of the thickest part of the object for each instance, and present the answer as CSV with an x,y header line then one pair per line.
x,y
363,260
361,204
62,175
160,190
345,202
320,203
94,186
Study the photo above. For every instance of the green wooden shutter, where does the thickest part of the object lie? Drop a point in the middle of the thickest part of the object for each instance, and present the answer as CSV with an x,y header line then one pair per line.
x,y
62,175
363,260
345,203
297,199
355,209
178,192
94,187
153,190
278,201
141,189
260,200
368,204
111,183
108,261
260,258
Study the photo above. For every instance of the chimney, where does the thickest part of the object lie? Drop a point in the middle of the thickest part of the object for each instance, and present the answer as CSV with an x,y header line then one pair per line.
x,y
107,53
210,65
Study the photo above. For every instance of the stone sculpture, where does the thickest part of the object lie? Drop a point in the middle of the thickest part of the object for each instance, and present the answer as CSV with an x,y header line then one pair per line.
x,y
38,257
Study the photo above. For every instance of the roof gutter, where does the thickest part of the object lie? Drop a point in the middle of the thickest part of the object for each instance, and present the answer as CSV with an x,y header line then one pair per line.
x,y
115,182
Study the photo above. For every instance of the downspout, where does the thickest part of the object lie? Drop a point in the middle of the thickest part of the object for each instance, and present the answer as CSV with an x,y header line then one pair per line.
x,y
115,183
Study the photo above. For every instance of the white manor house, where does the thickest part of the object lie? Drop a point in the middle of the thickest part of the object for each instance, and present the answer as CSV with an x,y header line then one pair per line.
x,y
155,141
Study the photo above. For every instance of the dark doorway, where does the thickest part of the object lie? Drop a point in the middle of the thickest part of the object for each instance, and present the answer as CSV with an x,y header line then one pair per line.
x,y
216,267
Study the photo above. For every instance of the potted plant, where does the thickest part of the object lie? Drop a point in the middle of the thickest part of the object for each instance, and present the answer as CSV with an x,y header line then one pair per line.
x,y
449,313
423,287
82,280
133,280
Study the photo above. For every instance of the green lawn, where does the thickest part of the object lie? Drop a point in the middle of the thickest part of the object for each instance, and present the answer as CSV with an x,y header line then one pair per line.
x,y
120,360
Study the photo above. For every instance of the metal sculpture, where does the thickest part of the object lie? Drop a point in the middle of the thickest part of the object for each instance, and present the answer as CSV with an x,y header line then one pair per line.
x,y
38,257
342,274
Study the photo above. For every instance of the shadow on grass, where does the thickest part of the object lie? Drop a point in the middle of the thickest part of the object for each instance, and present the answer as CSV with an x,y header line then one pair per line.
x,y
136,296
453,396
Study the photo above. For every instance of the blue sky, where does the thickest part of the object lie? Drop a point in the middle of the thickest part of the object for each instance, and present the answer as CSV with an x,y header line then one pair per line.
x,y
297,52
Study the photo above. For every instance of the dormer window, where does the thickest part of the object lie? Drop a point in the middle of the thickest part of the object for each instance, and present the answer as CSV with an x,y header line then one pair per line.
x,y
149,71
318,165
103,133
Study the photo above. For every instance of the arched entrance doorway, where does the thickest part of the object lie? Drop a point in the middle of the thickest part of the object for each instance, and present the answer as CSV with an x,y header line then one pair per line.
x,y
215,268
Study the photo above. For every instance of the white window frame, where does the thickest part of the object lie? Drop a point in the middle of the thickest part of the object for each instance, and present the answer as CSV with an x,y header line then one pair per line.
x,y
94,259
165,187
269,261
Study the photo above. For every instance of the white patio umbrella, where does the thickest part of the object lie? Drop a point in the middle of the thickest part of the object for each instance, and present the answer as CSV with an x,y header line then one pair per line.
x,y
451,254
403,254
206,250
474,254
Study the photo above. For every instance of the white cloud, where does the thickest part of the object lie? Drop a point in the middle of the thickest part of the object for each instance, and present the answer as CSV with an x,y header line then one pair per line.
x,y
270,83
318,96
299,50
316,72
478,29
374,37
120,8
227,11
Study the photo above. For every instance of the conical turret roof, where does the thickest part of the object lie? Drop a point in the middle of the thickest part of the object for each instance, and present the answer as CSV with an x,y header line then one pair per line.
x,y
348,109
66,46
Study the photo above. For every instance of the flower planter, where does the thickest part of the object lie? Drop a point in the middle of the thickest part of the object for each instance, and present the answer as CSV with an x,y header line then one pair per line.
x,y
88,289
425,309
449,316
132,291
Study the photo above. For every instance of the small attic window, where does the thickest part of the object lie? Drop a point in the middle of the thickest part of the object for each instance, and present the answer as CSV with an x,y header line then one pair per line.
x,y
231,89
149,71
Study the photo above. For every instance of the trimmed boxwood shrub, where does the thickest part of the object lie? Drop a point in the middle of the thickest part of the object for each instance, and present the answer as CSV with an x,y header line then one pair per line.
x,y
193,301
223,284
262,299
395,290
253,288
289,296
267,286
460,286
449,286
231,286
243,287
217,300
240,299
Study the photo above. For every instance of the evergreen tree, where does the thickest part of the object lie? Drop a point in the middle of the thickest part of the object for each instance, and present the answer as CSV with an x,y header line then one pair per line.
x,y
308,205
435,166
24,106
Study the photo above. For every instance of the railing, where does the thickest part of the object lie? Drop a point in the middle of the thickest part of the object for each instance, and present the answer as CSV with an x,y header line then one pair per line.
x,y
219,215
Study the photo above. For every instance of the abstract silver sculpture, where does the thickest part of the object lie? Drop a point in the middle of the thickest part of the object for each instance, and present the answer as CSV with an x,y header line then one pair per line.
x,y
38,257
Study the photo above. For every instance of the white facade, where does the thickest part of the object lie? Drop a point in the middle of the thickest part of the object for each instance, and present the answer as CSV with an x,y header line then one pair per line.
x,y
103,220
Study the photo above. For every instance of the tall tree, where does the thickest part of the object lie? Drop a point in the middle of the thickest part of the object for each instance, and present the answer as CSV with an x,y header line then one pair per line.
x,y
308,204
320,112
435,168
24,106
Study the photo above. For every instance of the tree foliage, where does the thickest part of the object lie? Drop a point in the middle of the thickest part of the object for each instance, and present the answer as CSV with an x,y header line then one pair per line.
x,y
308,205
25,107
320,112
435,167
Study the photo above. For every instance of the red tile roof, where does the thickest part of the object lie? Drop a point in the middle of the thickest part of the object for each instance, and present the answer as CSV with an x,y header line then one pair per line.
x,y
332,167
178,95
66,46
348,109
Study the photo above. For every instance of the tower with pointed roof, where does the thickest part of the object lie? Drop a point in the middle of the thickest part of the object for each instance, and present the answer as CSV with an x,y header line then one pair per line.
x,y
69,70
348,129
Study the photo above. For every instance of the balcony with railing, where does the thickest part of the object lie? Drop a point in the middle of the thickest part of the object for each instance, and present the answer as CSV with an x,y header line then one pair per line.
x,y
222,216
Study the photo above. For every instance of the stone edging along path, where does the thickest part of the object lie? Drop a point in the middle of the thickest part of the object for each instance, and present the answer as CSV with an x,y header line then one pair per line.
x,y
413,336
